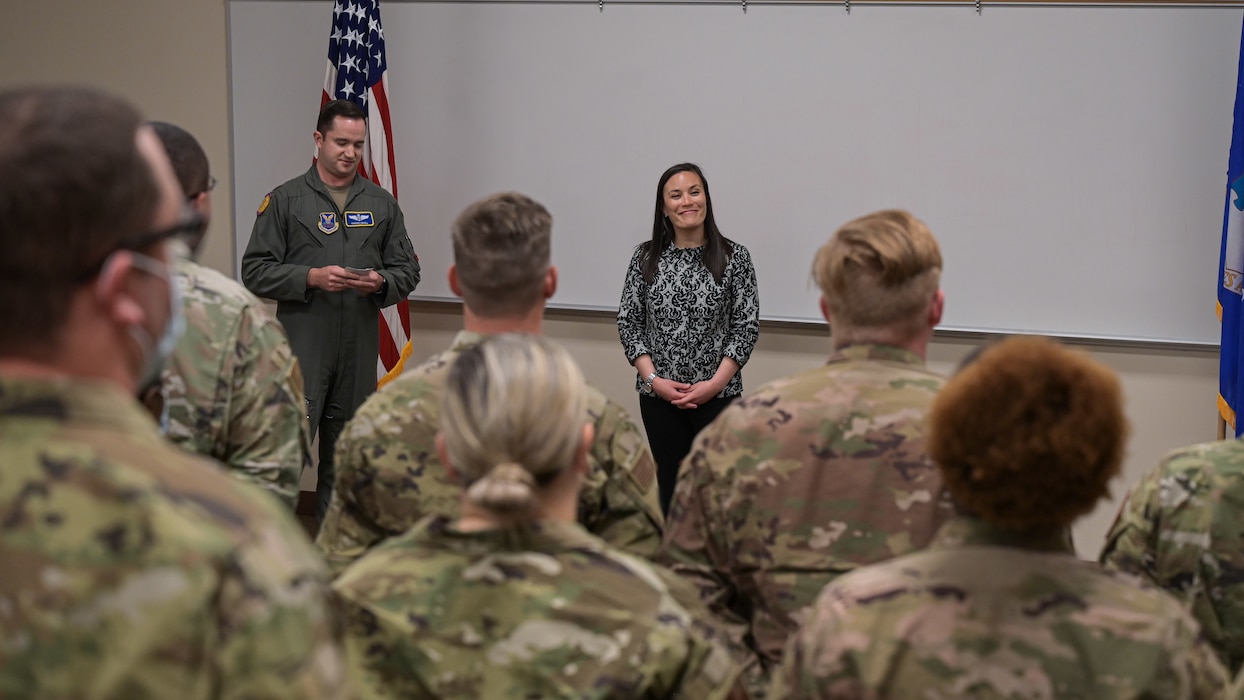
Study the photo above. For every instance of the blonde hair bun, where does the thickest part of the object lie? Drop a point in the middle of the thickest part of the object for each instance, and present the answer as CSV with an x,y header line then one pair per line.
x,y
512,417
507,489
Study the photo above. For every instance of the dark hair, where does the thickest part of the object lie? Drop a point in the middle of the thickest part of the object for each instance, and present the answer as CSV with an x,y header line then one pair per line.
x,y
187,156
189,164
337,108
1028,433
717,250
73,188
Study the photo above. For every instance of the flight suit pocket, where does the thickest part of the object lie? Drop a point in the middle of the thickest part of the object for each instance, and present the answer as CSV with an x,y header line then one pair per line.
x,y
365,230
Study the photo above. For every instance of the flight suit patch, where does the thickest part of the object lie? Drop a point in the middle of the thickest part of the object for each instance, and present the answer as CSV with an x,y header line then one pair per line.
x,y
359,218
328,221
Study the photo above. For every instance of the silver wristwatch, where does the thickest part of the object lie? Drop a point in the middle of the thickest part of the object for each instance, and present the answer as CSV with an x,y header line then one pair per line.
x,y
648,382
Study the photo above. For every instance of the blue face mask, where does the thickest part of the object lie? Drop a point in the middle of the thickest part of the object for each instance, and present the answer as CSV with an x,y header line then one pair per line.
x,y
156,353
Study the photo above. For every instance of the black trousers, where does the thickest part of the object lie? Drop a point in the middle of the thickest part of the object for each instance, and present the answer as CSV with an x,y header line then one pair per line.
x,y
671,430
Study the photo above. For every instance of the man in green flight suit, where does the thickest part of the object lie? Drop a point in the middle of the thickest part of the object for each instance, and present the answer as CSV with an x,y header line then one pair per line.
x,y
331,249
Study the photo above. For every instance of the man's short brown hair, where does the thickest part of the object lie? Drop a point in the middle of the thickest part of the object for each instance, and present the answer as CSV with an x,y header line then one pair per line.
x,y
502,250
1029,434
337,108
74,187
878,275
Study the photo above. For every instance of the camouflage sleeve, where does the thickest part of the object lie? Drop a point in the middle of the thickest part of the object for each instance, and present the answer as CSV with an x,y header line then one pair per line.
x,y
279,634
820,660
715,669
624,511
379,663
349,529
1131,541
696,548
1169,532
1194,669
267,439
1206,674
803,673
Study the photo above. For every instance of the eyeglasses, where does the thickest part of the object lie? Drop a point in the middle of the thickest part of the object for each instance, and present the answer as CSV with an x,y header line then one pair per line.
x,y
191,224
211,185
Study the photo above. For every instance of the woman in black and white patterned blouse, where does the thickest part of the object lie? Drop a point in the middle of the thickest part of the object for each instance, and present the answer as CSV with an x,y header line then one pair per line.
x,y
688,320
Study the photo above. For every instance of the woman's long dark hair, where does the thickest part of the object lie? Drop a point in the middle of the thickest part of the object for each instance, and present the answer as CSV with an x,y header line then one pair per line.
x,y
717,250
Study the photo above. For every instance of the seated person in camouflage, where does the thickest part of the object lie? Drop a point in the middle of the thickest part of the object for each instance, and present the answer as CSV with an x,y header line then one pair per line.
x,y
131,569
1027,436
388,473
811,476
232,387
1182,528
511,598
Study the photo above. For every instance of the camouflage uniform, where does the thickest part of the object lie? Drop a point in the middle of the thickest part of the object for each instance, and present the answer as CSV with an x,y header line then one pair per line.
x,y
132,569
988,614
389,475
537,612
1182,528
232,388
800,482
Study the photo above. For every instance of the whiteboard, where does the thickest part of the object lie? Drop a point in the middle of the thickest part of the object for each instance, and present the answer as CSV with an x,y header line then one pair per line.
x,y
1071,160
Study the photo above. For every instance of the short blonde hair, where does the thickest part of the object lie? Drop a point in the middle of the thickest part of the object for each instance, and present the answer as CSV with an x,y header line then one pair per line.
x,y
502,250
512,418
1029,434
879,273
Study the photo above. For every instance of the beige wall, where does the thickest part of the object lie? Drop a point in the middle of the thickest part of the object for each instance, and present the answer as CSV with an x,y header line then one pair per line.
x,y
170,57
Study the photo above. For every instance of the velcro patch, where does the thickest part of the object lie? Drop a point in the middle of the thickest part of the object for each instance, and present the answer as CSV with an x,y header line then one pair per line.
x,y
644,473
328,221
359,218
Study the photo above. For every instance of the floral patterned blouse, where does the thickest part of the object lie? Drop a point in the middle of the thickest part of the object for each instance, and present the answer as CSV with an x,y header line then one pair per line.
x,y
685,320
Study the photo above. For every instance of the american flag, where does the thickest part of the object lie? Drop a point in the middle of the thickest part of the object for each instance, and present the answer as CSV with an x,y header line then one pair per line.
x,y
357,71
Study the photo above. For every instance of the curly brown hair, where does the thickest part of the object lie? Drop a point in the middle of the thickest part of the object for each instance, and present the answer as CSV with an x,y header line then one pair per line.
x,y
1029,434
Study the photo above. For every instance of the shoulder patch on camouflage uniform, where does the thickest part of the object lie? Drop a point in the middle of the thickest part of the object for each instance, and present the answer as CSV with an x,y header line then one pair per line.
x,y
644,474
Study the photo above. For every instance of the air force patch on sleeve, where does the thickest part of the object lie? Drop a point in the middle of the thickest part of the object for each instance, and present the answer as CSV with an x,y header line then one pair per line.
x,y
328,221
267,199
359,218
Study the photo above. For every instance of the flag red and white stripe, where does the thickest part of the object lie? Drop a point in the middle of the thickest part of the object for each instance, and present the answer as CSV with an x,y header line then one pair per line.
x,y
358,71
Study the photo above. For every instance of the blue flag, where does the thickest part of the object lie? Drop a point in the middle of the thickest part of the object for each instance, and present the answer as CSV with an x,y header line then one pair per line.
x,y
1231,270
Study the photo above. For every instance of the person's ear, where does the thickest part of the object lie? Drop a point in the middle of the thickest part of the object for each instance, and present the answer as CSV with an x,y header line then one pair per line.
x,y
444,455
202,203
114,291
936,307
454,285
319,139
585,445
550,282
